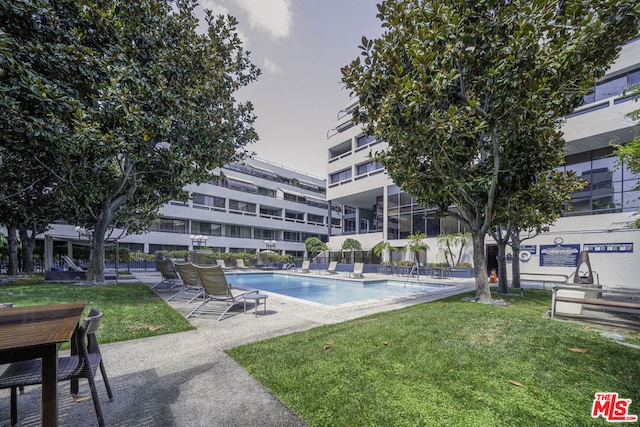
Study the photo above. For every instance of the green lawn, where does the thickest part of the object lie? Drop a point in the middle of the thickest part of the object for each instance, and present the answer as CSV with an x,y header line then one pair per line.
x,y
447,363
131,310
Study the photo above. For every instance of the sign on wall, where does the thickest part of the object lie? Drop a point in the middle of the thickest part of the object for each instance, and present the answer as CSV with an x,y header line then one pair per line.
x,y
559,255
608,247
532,249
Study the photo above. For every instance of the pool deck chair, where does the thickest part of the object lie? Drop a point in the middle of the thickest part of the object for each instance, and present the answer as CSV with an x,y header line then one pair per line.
x,y
332,267
192,288
219,297
240,264
304,268
222,265
170,277
358,267
72,265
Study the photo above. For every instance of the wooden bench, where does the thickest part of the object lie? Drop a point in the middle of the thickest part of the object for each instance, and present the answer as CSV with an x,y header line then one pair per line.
x,y
608,304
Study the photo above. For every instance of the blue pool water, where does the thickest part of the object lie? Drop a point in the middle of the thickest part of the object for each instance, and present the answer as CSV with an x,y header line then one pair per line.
x,y
326,290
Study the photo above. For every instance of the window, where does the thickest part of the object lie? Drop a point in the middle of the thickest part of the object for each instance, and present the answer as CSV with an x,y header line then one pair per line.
x,y
237,231
266,192
241,185
264,234
168,225
368,167
206,228
294,216
611,88
239,206
315,219
270,213
292,236
217,203
364,140
340,176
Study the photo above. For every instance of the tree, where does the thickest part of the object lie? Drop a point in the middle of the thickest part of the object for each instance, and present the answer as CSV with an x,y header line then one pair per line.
x,y
629,153
352,245
383,247
470,96
314,246
449,242
129,101
416,244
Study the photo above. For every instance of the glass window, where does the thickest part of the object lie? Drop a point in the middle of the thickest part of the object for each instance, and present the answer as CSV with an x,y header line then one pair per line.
x,y
364,140
205,200
291,236
206,228
261,233
633,78
340,176
237,205
266,192
168,225
315,219
237,231
239,185
611,88
368,167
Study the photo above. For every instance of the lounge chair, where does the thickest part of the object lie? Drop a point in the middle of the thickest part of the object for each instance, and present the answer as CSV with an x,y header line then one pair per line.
x,y
358,267
240,264
84,364
304,268
219,296
72,265
332,267
192,288
222,265
170,277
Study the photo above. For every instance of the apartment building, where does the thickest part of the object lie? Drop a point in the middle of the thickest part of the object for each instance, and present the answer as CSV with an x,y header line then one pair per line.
x,y
245,207
376,210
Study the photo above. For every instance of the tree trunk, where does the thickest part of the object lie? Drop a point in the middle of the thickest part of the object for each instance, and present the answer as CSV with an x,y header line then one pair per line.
x,y
27,242
483,293
95,269
13,267
515,263
503,282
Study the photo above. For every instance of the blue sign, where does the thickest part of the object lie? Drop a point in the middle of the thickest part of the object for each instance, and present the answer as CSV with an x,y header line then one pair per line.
x,y
559,255
532,249
608,247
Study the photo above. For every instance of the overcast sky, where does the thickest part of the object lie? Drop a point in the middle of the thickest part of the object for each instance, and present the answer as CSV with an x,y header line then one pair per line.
x,y
300,46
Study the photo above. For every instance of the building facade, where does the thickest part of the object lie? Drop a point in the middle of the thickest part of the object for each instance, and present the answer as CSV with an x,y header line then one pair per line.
x,y
376,210
245,207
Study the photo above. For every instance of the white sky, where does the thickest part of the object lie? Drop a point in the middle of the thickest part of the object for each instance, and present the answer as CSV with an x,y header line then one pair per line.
x,y
300,46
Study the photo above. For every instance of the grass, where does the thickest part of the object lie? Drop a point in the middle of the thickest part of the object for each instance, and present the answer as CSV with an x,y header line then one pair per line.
x,y
131,310
448,363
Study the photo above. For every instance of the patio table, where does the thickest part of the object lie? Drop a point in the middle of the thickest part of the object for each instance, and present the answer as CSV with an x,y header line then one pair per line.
x,y
36,332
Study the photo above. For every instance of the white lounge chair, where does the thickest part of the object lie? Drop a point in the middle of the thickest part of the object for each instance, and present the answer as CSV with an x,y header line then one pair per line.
x,y
358,267
304,268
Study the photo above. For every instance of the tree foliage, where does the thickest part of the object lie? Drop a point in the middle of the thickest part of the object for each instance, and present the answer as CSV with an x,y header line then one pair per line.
x,y
314,246
416,244
124,102
629,153
352,244
470,96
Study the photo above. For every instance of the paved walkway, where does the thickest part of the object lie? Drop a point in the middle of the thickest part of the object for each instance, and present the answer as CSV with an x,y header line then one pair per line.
x,y
186,379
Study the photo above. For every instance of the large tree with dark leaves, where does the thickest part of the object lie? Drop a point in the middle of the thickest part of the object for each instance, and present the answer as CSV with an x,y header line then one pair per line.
x,y
124,102
470,95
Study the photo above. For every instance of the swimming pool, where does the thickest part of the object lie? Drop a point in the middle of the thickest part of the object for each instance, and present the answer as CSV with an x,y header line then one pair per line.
x,y
327,290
